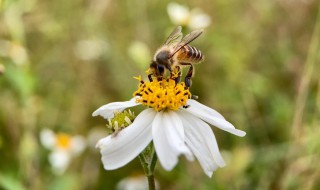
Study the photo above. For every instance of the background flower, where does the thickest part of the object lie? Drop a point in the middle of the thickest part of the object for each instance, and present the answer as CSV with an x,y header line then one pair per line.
x,y
63,148
136,182
181,15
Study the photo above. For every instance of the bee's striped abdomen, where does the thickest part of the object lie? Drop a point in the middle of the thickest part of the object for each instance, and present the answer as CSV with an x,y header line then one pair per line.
x,y
191,54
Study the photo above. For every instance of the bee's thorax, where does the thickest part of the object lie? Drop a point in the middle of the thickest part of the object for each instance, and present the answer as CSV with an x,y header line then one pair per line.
x,y
162,57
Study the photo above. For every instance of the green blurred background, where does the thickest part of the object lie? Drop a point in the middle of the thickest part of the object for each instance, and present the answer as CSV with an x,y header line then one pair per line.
x,y
61,60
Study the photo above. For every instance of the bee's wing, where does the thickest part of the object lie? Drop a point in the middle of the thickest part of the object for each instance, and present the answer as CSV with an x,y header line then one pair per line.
x,y
186,40
175,37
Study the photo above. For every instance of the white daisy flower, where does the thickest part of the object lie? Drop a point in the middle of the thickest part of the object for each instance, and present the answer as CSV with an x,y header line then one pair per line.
x,y
63,147
181,15
177,125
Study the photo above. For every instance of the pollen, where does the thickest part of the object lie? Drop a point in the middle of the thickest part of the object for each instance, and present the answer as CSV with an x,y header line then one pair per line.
x,y
163,94
63,140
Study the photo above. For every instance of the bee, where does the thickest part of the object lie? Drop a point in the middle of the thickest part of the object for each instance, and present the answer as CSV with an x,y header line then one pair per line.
x,y
175,53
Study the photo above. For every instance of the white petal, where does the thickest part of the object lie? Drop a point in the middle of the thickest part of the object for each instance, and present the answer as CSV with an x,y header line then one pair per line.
x,y
59,160
78,144
202,142
199,20
107,111
47,138
213,117
133,183
168,138
178,14
118,150
198,107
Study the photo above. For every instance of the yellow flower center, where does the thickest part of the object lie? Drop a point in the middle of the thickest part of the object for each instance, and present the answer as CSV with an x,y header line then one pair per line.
x,y
162,95
120,120
63,140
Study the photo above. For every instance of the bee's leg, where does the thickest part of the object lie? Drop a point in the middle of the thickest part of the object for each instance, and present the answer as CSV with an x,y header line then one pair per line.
x,y
150,77
176,75
189,74
179,74
152,70
168,66
160,72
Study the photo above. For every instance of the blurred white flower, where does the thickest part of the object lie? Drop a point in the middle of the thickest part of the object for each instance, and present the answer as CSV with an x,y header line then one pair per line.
x,y
18,54
181,15
139,53
199,19
63,147
15,51
90,49
2,69
94,134
135,183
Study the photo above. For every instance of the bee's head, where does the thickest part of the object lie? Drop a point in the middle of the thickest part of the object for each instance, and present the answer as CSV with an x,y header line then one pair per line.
x,y
162,57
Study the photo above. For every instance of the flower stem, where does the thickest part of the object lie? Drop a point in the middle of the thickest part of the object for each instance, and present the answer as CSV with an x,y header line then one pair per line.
x,y
151,182
308,73
148,159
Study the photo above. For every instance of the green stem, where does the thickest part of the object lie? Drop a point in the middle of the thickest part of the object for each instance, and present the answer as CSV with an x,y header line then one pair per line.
x,y
148,159
154,160
304,87
151,182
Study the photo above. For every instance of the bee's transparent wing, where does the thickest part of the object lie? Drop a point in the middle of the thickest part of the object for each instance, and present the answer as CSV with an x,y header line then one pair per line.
x,y
187,39
175,37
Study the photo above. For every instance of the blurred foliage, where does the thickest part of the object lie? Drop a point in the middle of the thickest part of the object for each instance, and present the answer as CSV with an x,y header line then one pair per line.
x,y
60,60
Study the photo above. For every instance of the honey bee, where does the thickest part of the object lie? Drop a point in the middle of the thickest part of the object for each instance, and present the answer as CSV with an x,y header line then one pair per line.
x,y
174,53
